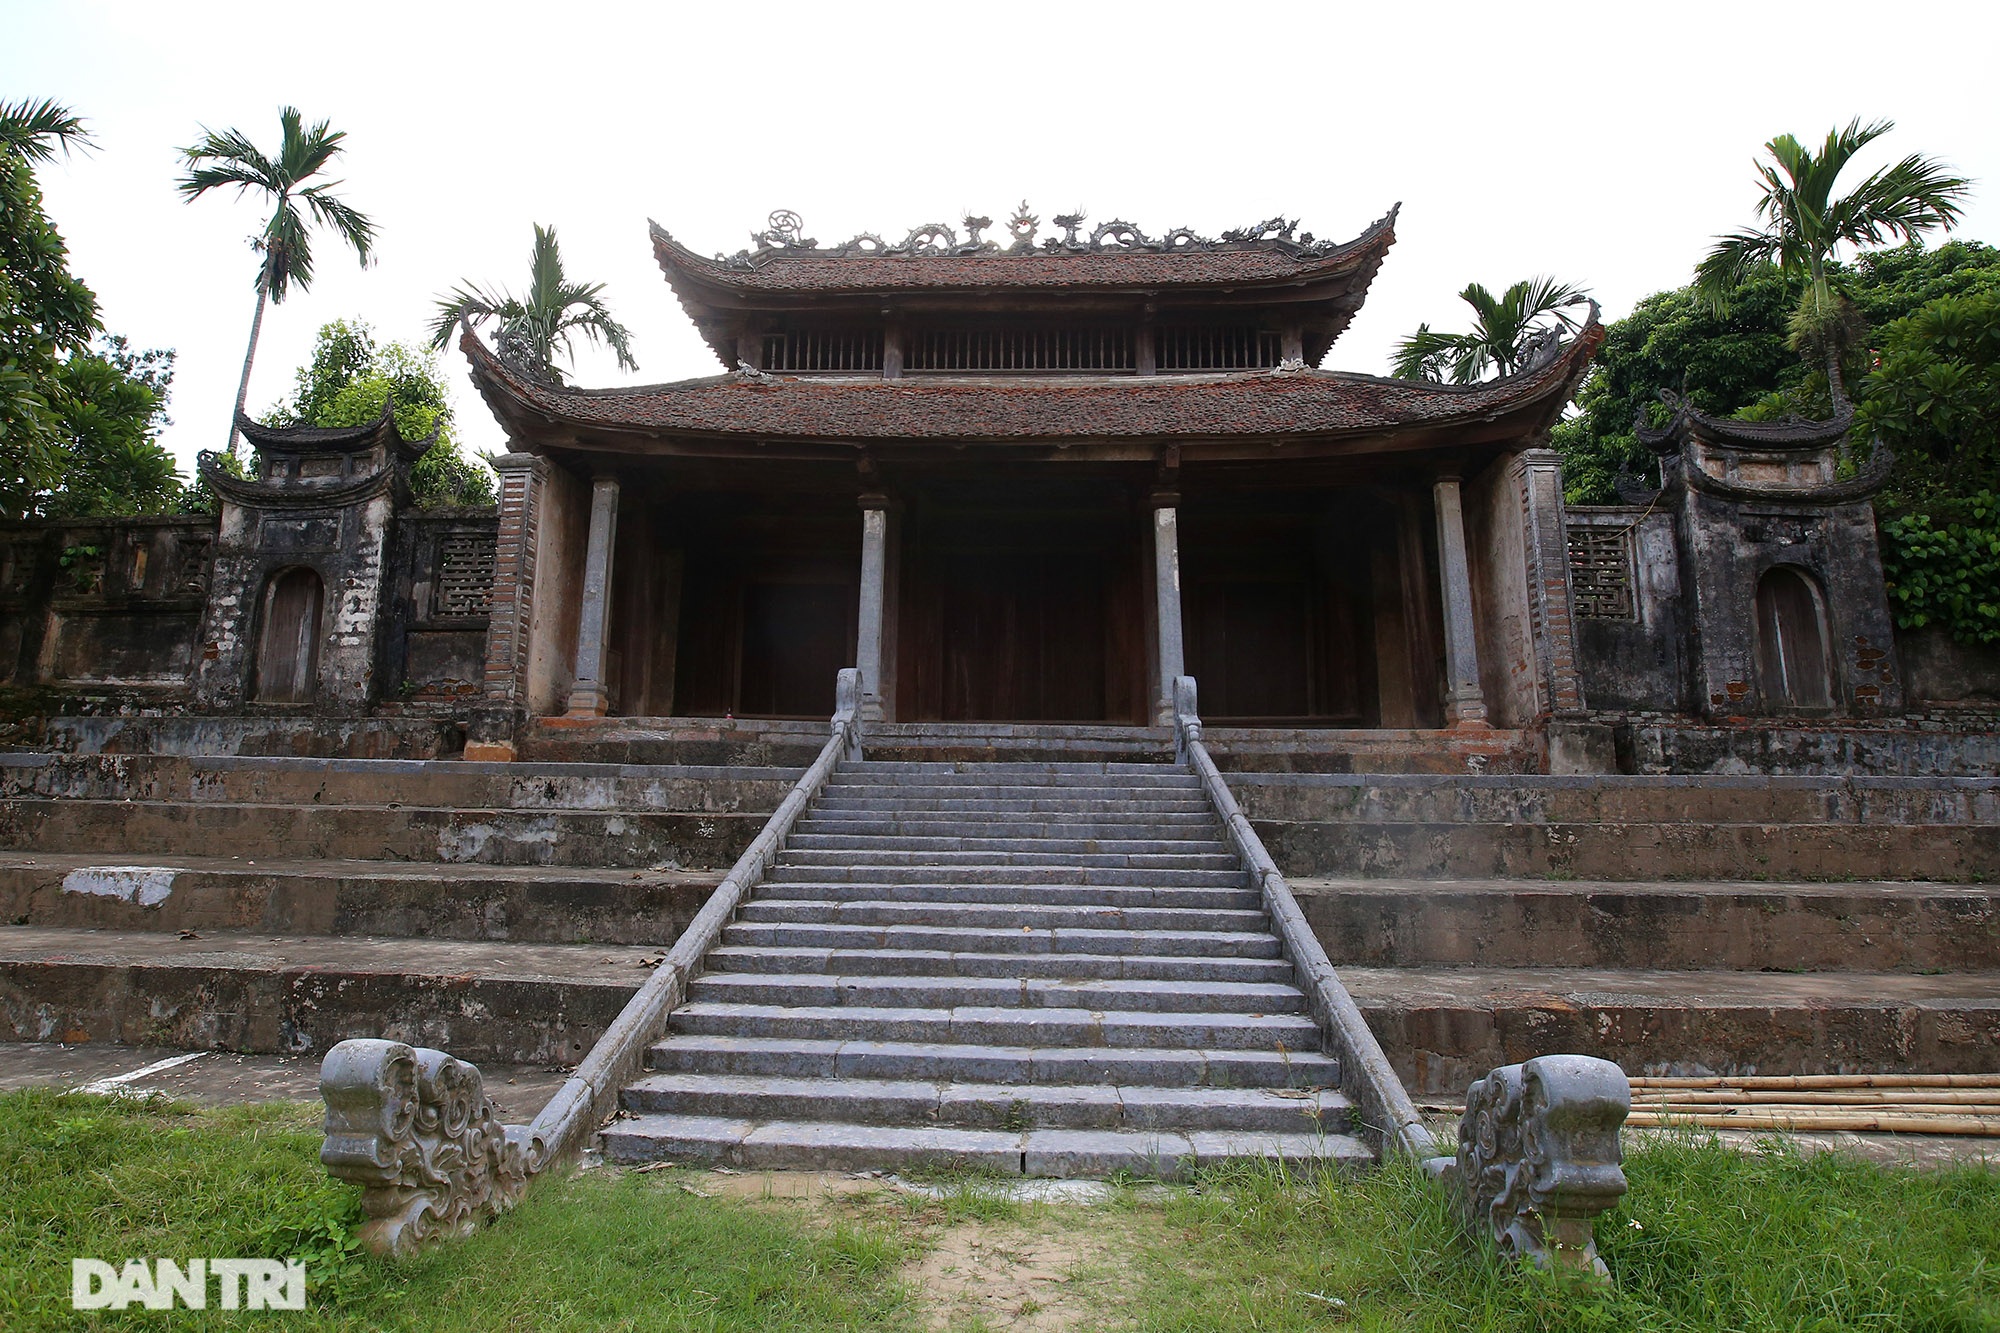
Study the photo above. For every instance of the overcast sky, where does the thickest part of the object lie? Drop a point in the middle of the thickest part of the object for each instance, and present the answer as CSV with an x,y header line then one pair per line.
x,y
1601,143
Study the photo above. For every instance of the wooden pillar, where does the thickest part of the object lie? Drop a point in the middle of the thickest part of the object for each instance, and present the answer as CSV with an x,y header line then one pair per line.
x,y
872,649
1465,701
1167,595
589,696
892,347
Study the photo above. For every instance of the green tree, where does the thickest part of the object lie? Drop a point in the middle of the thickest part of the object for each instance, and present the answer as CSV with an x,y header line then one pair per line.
x,y
78,422
1934,398
228,158
1501,328
111,406
345,384
1806,222
1738,361
533,328
47,314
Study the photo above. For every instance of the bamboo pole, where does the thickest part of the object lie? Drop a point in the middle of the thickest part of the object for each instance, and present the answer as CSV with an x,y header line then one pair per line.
x,y
1824,1081
1823,1119
1810,1097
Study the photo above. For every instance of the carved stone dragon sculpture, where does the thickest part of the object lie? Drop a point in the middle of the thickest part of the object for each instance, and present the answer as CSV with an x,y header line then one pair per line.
x,y
413,1127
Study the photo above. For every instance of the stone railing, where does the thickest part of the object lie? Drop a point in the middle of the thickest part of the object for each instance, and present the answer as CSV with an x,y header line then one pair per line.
x,y
1538,1158
413,1127
1384,1109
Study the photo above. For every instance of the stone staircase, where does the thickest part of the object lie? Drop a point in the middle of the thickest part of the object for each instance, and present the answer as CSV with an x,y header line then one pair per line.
x,y
1052,968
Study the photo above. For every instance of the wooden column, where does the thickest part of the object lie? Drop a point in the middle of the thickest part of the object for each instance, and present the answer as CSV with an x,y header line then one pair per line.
x,y
1465,701
1167,595
871,646
589,697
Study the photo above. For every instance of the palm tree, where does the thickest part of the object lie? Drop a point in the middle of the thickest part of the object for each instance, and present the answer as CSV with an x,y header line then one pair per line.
x,y
1501,330
534,327
1805,223
229,158
34,130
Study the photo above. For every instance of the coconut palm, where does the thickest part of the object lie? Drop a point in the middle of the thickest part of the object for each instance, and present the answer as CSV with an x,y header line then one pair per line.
x,y
1501,329
1805,223
533,328
229,158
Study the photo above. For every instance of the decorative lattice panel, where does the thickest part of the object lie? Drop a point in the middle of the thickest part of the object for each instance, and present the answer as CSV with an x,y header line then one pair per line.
x,y
464,577
1600,572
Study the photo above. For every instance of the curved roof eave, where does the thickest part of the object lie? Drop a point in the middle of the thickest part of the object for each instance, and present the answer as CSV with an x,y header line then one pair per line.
x,y
773,408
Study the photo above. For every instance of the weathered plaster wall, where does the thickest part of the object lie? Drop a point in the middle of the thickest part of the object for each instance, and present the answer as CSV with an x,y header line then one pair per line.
x,y
1639,659
1496,546
1939,669
562,525
108,604
1731,544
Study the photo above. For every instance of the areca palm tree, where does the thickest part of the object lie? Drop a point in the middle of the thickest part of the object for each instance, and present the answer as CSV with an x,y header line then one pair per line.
x,y
289,180
1805,224
1501,329
534,327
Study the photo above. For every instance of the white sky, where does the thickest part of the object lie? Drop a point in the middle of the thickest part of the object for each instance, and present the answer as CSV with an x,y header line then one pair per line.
x,y
1602,143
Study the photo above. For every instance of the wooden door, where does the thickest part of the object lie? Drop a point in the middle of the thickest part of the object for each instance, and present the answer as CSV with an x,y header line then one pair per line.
x,y
288,648
796,638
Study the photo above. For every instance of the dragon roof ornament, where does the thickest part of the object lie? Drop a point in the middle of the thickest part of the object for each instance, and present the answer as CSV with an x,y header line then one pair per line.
x,y
784,235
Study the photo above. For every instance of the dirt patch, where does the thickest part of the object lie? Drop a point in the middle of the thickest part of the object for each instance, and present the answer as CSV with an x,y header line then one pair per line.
x,y
1024,1279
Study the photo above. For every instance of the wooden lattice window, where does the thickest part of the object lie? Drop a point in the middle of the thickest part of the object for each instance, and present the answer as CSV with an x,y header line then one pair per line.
x,y
824,350
464,577
1600,572
1062,347
1212,347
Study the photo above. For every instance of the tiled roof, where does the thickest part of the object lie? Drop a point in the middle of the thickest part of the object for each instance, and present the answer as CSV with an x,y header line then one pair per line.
x,y
1249,404
1229,264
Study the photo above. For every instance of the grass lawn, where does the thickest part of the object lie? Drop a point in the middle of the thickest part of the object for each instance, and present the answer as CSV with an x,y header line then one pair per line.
x,y
1709,1239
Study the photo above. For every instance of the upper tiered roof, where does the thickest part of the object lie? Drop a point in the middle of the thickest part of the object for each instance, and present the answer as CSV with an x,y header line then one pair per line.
x,y
1112,267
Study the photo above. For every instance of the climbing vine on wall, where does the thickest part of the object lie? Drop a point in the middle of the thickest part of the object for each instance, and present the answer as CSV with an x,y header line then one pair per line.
x,y
1947,575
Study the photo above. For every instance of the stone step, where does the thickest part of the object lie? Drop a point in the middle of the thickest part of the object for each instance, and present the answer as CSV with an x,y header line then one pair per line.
x,y
844,802
838,1146
997,915
380,782
1052,849
1027,940
1002,1026
1889,927
825,990
299,994
1697,801
627,838
1348,849
776,961
1015,1107
1443,1027
978,872
1123,828
866,770
997,858
943,1062
1055,779
1081,895
290,896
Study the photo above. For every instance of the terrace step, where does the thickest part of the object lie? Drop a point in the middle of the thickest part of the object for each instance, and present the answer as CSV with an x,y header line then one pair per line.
x,y
993,1106
294,994
1047,967
837,1146
929,991
899,962
540,904
1443,1027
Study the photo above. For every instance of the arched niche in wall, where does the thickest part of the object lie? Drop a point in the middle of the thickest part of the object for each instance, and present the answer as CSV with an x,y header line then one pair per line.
x,y
288,647
1792,658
